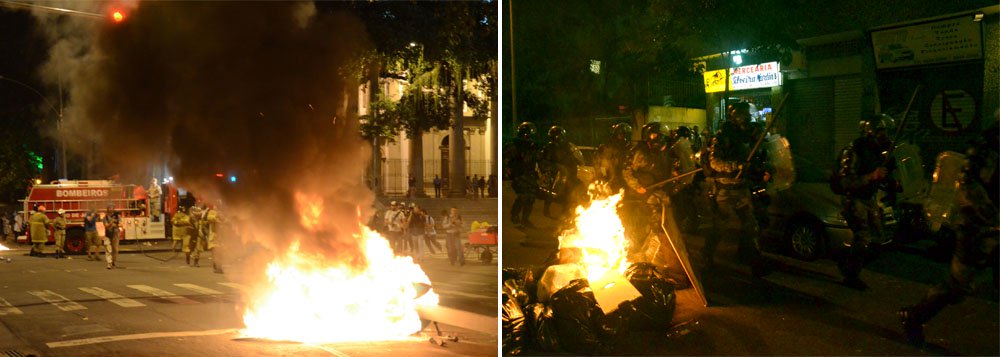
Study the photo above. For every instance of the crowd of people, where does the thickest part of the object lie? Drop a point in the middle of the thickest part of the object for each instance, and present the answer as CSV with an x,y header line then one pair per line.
x,y
413,231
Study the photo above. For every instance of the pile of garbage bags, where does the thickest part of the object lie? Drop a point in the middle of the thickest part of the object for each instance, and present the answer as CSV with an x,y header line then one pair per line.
x,y
570,319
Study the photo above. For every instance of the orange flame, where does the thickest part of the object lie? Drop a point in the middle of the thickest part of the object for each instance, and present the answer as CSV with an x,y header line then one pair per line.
x,y
312,300
600,235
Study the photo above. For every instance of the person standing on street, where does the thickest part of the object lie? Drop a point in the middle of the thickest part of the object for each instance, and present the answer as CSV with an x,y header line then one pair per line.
x,y
18,225
155,200
6,227
978,224
612,155
453,225
197,242
437,186
482,186
415,223
394,222
728,172
182,233
647,164
112,226
430,232
560,166
60,233
39,225
521,167
91,240
863,170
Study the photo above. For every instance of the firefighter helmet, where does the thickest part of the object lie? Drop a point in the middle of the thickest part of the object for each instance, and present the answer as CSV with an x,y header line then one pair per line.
x,y
526,130
556,133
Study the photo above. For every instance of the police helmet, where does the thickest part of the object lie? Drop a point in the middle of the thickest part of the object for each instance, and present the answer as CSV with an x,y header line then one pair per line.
x,y
526,130
871,124
650,129
738,110
556,133
621,129
684,132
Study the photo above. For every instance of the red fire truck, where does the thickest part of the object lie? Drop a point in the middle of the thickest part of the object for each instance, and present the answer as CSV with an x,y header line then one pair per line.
x,y
77,197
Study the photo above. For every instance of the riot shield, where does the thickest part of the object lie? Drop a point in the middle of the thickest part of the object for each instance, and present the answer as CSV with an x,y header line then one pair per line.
x,y
909,171
685,162
779,155
942,202
673,236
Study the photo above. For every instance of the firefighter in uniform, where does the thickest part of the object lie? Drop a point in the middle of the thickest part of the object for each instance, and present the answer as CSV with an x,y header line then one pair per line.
x,y
60,234
38,225
729,174
862,170
647,164
211,223
611,157
182,232
560,166
977,234
197,243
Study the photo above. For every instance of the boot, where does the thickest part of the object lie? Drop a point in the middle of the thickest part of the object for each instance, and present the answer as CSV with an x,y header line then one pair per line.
x,y
196,262
187,259
913,330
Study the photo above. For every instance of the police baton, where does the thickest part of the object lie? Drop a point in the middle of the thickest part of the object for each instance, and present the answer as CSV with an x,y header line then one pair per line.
x,y
760,138
672,179
902,123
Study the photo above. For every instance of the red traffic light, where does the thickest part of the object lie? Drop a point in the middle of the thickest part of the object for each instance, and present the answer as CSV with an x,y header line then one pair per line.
x,y
118,16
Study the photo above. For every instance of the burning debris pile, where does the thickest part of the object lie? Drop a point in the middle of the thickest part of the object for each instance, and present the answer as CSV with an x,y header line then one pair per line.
x,y
587,293
260,90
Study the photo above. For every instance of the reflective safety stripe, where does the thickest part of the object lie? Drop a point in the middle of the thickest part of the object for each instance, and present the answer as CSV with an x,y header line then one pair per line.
x,y
199,289
163,294
112,297
7,309
57,300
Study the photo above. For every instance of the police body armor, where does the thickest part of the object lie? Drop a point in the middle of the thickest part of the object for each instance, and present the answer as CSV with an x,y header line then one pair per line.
x,y
683,162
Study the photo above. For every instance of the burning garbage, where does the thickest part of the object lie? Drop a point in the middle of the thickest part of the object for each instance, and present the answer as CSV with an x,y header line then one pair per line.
x,y
588,292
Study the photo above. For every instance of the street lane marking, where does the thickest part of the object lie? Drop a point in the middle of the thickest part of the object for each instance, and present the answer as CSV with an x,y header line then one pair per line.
x,y
7,309
140,336
112,297
163,294
199,289
236,286
57,300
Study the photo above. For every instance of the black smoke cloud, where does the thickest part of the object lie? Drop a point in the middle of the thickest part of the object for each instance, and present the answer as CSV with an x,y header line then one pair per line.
x,y
257,89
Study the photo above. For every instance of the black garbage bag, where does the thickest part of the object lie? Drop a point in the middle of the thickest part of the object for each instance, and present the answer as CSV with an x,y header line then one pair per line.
x,y
524,279
543,331
655,308
515,324
579,319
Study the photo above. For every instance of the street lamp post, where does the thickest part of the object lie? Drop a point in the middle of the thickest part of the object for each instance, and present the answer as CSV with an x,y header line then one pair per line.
x,y
59,112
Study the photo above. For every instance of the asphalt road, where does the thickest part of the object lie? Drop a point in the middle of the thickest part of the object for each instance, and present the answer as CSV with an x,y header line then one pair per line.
x,y
157,306
799,309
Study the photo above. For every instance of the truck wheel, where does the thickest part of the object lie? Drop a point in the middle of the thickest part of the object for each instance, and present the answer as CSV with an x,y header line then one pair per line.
x,y
75,243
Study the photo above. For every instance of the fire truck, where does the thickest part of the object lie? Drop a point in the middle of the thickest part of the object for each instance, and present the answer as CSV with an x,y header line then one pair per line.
x,y
77,197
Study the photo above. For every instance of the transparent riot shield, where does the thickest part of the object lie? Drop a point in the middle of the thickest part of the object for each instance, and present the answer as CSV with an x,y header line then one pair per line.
x,y
672,235
909,171
684,156
942,202
779,155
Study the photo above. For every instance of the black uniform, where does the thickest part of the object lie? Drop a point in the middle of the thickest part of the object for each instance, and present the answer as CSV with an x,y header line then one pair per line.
x,y
560,167
729,174
611,160
520,162
648,164
859,186
978,227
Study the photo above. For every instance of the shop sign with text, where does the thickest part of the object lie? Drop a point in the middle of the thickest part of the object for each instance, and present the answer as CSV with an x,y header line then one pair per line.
x,y
763,75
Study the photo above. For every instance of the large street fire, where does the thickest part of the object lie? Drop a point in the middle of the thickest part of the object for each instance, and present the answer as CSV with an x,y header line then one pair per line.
x,y
311,299
600,236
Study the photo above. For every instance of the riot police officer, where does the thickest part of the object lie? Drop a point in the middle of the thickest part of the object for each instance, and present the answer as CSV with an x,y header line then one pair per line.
x,y
647,165
560,167
611,156
520,164
977,233
862,170
727,171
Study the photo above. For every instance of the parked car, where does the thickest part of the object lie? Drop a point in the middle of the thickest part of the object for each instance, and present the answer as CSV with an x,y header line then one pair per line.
x,y
805,219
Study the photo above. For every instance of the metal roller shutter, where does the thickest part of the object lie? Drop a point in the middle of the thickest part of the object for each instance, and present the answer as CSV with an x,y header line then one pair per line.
x,y
846,110
810,127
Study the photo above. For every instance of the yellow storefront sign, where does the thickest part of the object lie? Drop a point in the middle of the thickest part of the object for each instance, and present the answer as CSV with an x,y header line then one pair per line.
x,y
715,81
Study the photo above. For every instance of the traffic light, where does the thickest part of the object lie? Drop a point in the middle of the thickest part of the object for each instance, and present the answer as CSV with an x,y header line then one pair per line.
x,y
118,16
